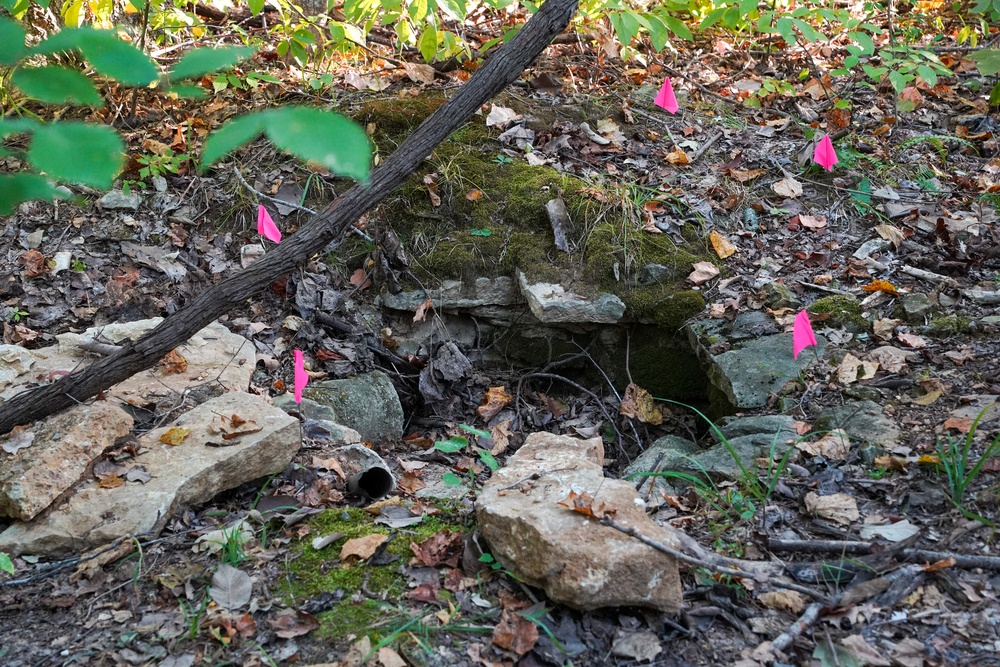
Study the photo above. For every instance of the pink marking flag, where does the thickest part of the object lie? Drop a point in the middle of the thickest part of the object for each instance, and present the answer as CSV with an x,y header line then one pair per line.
x,y
665,98
266,226
824,155
802,334
301,377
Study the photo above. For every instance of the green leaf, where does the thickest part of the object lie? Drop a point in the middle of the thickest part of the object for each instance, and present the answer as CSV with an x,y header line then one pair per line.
x,y
987,61
712,18
232,135
97,153
256,6
455,9
109,55
5,563
785,29
657,33
323,137
898,80
18,8
57,85
851,61
11,126
451,445
678,27
12,47
475,431
198,62
864,42
863,193
927,74
487,458
626,26
428,44
995,95
747,6
16,188
451,479
875,73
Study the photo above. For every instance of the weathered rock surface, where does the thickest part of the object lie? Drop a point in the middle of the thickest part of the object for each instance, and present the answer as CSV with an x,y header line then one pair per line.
x,y
214,356
457,294
194,471
574,558
747,359
367,403
862,420
61,448
553,304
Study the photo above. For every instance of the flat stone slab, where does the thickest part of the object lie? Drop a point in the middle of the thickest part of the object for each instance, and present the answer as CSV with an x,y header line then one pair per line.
x,y
367,403
553,304
207,461
213,355
457,294
748,359
578,561
60,450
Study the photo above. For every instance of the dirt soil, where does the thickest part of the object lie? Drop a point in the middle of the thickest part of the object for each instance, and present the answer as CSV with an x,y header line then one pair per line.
x,y
914,190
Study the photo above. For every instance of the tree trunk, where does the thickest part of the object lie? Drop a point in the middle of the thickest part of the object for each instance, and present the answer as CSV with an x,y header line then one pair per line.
x,y
498,72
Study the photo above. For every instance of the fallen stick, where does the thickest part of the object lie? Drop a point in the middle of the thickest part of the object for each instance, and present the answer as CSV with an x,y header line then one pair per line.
x,y
499,71
860,547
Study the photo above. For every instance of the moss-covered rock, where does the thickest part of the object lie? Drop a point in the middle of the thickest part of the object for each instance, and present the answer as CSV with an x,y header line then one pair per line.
x,y
843,311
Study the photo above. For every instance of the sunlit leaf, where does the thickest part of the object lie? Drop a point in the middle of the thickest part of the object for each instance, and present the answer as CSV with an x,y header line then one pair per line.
x,y
427,44
108,54
57,85
97,152
232,135
326,138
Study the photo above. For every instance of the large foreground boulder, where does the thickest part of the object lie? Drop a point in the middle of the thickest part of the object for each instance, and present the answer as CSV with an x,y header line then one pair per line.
x,y
575,559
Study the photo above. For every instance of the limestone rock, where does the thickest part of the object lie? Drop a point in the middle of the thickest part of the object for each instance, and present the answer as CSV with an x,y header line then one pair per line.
x,y
916,307
553,304
576,560
456,294
63,446
194,471
367,403
117,199
747,359
215,357
862,420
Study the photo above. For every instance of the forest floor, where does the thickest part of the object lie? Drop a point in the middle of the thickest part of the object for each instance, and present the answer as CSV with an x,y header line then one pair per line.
x,y
919,185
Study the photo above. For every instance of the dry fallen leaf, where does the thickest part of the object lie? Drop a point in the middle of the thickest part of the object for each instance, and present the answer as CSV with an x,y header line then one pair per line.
x,y
419,72
911,340
421,313
678,158
474,194
360,279
501,437
928,398
175,435
233,426
362,548
885,328
746,175
723,247
890,233
783,600
173,362
515,633
703,272
788,187
961,355
852,369
833,446
838,507
880,286
890,359
812,222
637,403
495,400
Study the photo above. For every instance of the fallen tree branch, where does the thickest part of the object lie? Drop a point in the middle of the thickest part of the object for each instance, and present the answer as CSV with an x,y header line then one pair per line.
x,y
861,547
499,71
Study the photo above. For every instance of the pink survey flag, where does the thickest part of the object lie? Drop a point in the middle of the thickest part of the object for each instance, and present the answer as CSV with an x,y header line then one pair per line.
x,y
802,334
301,377
665,98
824,155
266,226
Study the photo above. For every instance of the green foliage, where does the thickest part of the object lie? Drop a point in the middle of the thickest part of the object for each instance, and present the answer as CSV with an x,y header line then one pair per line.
x,y
98,151
957,467
6,565
456,444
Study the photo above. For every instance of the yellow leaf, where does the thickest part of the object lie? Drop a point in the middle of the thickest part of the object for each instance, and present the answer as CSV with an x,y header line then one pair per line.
x,y
928,398
723,247
175,436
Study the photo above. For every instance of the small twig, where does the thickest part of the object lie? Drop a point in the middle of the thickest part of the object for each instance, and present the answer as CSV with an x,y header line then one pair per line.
x,y
923,275
706,145
862,547
713,564
533,476
578,387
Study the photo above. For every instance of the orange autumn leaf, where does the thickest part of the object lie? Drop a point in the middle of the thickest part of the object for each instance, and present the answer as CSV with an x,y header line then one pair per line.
x,y
496,399
474,194
723,247
175,436
583,503
174,362
880,286
678,158
111,482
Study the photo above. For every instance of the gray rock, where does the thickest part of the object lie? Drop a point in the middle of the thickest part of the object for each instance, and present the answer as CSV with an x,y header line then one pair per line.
x,y
779,296
747,359
916,307
862,420
194,471
116,199
563,230
367,403
578,561
14,361
456,294
651,274
667,454
63,446
553,304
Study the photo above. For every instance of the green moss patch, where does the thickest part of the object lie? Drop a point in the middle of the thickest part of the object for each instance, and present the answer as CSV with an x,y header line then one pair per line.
x,y
312,573
843,310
